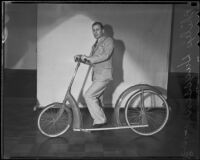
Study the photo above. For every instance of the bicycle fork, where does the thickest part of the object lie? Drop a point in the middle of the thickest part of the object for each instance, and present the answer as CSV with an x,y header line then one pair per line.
x,y
142,113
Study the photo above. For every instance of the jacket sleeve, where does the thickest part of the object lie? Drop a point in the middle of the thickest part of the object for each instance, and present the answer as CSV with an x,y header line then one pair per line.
x,y
107,51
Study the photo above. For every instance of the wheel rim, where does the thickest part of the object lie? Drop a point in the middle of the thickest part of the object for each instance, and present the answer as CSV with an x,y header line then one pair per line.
x,y
156,116
54,121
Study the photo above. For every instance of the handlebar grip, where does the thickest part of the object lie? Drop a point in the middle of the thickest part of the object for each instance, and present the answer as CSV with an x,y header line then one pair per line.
x,y
77,59
86,60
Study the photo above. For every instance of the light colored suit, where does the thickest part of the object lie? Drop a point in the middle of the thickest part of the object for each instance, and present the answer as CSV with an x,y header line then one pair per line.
x,y
101,60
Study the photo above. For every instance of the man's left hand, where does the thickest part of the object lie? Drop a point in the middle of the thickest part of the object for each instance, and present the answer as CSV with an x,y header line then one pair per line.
x,y
85,59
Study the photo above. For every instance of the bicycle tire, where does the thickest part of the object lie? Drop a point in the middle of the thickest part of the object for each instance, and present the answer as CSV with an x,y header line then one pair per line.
x,y
141,117
54,120
126,94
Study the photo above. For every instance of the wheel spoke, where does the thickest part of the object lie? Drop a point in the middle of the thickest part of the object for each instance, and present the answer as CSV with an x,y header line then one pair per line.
x,y
134,119
132,116
153,122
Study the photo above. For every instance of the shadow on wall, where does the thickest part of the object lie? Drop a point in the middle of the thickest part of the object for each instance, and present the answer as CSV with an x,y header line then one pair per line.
x,y
117,62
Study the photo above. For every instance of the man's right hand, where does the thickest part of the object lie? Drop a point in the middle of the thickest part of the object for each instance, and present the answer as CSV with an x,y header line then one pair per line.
x,y
82,59
85,59
77,58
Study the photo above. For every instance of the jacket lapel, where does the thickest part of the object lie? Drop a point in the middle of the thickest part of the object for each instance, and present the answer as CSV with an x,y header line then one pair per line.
x,y
96,45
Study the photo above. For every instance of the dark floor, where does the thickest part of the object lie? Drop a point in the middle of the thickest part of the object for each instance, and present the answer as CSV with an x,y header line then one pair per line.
x,y
21,137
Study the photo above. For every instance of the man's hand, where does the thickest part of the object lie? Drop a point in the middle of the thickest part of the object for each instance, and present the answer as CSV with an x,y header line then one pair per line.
x,y
85,59
77,58
82,58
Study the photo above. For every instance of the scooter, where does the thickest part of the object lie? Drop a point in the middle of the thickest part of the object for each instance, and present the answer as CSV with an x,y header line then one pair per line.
x,y
146,111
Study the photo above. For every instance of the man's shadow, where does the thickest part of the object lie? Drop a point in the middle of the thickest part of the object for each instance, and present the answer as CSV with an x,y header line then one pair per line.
x,y
117,64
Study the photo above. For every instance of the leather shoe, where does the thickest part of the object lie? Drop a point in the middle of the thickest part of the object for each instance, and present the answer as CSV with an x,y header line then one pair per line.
x,y
99,125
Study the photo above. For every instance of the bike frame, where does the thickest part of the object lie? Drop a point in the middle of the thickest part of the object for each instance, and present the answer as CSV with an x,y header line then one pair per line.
x,y
70,105
77,116
69,99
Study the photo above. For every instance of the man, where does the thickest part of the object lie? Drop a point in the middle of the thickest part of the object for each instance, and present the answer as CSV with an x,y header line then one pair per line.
x,y
101,60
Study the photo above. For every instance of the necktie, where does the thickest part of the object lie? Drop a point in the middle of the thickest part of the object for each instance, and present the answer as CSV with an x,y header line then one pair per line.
x,y
95,44
94,47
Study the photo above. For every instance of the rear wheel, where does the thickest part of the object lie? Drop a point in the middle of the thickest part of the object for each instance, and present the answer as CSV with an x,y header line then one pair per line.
x,y
54,120
146,107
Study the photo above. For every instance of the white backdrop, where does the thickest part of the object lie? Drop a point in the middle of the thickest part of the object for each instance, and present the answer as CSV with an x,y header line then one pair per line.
x,y
142,41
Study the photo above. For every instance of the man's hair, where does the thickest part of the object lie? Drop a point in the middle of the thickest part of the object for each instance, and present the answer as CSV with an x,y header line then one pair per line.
x,y
98,23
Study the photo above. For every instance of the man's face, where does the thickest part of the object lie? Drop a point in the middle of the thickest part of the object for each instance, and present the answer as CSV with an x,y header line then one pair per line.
x,y
97,31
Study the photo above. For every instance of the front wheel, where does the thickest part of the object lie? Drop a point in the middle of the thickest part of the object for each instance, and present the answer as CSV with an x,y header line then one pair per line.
x,y
146,107
54,120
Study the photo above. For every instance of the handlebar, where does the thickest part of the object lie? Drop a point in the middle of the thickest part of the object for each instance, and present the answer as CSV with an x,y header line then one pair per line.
x,y
78,59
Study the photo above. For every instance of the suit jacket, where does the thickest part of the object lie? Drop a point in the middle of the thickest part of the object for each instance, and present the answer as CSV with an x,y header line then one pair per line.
x,y
101,59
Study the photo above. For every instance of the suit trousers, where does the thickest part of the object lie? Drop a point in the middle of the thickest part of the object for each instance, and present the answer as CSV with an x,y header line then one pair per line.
x,y
93,96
